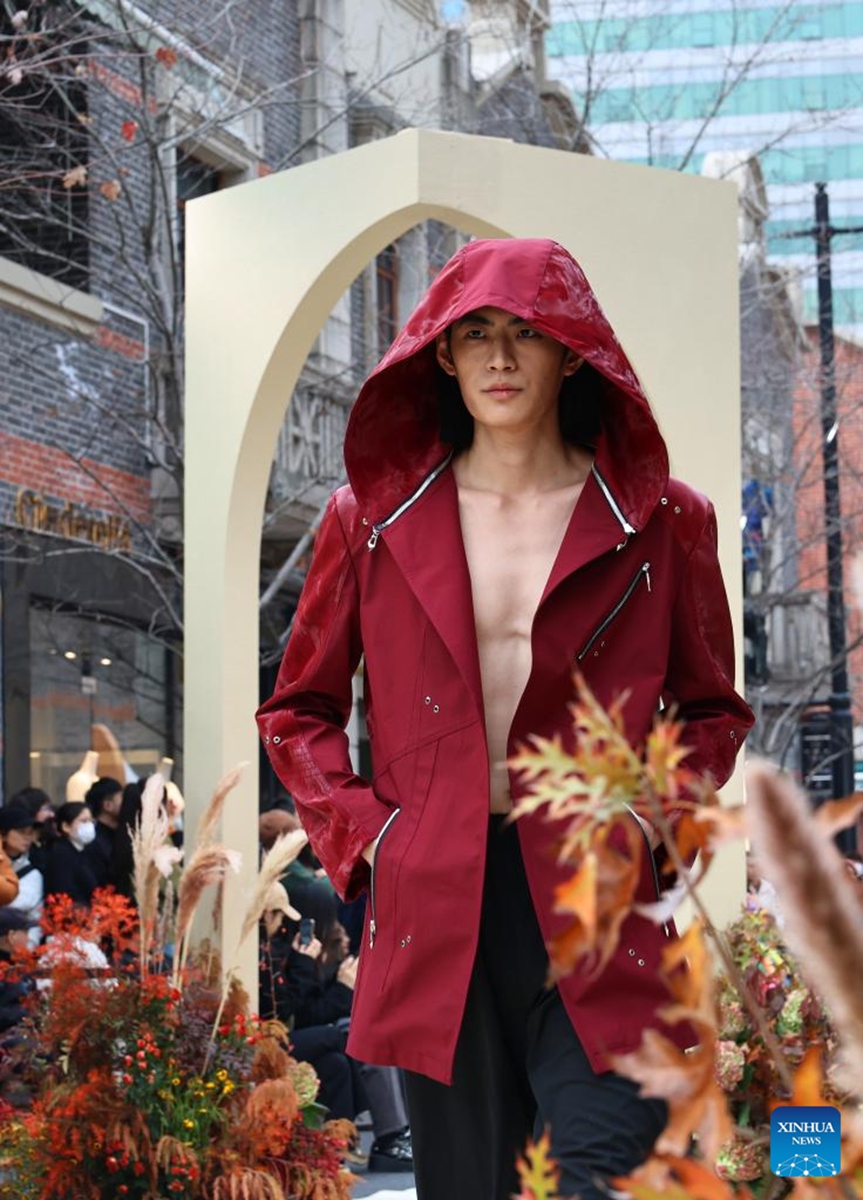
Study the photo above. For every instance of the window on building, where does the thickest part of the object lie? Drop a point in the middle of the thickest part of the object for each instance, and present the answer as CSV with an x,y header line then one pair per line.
x,y
43,142
703,29
89,670
387,291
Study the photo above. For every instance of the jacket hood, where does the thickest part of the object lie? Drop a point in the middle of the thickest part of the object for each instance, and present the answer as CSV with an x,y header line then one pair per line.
x,y
393,441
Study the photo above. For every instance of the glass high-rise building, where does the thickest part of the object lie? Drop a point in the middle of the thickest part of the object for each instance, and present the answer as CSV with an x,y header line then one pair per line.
x,y
664,82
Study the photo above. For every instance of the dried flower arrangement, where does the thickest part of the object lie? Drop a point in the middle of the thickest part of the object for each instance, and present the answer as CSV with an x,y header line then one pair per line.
x,y
157,1086
764,1036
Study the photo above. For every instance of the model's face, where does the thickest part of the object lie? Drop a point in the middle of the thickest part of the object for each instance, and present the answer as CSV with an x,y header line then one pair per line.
x,y
509,373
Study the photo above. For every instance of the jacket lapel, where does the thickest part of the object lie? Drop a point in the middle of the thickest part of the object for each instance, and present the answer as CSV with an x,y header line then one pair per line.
x,y
426,543
593,530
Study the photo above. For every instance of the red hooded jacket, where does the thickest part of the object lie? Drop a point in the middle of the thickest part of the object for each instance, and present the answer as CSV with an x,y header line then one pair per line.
x,y
635,597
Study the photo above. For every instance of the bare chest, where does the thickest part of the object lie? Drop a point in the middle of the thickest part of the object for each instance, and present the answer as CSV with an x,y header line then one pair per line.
x,y
511,547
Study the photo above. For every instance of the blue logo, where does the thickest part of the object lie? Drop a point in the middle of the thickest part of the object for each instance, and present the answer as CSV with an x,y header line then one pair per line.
x,y
805,1141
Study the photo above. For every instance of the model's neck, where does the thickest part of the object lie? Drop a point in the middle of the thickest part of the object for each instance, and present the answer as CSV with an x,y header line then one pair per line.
x,y
514,463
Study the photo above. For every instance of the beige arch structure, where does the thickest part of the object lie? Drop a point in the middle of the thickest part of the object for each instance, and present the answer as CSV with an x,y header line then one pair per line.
x,y
267,261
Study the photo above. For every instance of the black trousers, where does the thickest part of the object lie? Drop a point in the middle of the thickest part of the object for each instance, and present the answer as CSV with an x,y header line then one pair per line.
x,y
520,1067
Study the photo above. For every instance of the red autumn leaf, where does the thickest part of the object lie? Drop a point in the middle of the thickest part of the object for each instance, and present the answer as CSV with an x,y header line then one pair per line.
x,y
111,189
128,130
166,56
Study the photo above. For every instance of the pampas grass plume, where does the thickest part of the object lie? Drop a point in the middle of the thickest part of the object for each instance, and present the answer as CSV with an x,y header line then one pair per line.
x,y
274,864
823,916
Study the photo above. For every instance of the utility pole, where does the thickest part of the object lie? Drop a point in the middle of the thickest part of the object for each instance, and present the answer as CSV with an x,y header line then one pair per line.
x,y
841,718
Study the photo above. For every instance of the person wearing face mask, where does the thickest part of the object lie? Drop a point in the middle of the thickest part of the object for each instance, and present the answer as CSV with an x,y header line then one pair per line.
x,y
69,869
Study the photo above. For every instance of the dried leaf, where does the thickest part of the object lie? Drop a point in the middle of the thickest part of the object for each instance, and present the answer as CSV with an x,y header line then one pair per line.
x,y
685,1080
77,175
111,190
595,932
166,56
662,1177
724,824
835,815
128,130
537,1172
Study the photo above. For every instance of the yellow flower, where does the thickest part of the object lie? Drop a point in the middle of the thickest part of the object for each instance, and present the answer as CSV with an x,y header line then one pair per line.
x,y
222,1075
188,1123
210,1085
228,1088
175,1082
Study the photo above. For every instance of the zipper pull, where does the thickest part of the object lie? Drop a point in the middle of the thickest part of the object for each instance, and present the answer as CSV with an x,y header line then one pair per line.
x,y
372,931
373,540
646,569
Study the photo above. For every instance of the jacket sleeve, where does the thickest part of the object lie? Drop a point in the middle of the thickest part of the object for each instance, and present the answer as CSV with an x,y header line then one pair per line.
x,y
700,676
303,724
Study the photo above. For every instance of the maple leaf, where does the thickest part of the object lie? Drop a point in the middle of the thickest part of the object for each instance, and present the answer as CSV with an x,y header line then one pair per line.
x,y
537,1172
128,130
166,56
600,895
111,189
77,175
663,754
578,895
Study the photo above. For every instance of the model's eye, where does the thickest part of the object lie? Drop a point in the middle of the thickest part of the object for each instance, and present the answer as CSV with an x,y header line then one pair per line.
x,y
527,332
474,334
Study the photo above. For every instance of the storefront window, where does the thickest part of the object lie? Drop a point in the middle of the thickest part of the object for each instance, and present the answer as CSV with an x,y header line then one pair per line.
x,y
87,671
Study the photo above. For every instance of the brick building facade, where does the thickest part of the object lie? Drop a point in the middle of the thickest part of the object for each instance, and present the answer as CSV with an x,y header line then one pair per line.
x,y
162,101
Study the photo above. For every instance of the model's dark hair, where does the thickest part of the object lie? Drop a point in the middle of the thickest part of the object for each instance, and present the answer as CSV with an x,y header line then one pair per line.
x,y
579,409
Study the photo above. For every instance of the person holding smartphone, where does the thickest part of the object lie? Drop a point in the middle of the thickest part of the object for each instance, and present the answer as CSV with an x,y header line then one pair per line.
x,y
509,517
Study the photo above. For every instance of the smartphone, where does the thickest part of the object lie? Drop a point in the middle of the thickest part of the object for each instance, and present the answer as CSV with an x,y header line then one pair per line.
x,y
307,931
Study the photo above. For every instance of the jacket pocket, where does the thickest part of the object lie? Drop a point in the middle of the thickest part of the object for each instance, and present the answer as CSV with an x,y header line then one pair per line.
x,y
373,924
641,575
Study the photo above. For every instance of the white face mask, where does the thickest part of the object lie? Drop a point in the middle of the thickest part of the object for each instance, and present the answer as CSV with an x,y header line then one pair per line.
x,y
86,833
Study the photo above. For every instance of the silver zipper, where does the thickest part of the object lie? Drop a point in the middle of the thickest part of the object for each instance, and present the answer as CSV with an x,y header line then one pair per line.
x,y
373,927
628,529
643,572
378,529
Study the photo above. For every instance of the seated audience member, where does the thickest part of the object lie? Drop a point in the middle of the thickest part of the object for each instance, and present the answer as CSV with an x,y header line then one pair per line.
x,y
16,837
311,989
13,992
8,879
104,799
40,808
68,870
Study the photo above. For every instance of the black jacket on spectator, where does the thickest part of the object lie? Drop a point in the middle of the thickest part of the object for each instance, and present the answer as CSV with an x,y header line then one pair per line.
x,y
100,855
68,870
